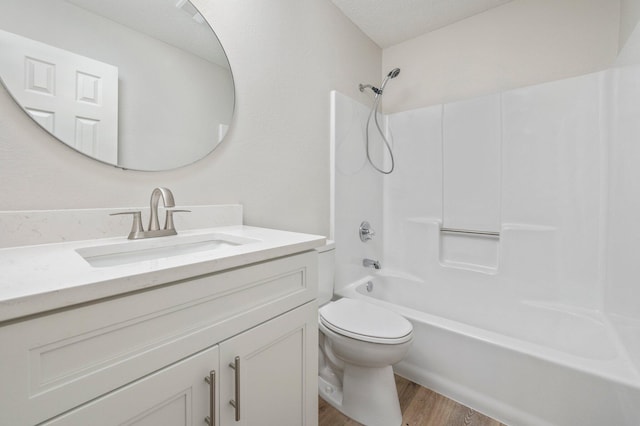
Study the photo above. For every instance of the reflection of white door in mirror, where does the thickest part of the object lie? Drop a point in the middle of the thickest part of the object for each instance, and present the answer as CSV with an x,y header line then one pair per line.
x,y
73,97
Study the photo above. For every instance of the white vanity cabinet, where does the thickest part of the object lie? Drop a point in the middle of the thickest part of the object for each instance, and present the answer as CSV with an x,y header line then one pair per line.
x,y
141,358
276,359
176,395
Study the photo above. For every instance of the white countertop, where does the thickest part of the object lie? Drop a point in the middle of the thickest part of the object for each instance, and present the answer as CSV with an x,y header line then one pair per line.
x,y
39,278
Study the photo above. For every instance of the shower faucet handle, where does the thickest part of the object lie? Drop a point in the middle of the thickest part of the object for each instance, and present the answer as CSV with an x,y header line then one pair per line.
x,y
366,232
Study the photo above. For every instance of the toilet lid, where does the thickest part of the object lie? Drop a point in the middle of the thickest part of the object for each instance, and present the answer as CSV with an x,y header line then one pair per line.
x,y
365,321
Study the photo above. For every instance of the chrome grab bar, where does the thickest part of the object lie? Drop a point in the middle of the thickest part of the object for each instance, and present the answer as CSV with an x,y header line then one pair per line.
x,y
470,232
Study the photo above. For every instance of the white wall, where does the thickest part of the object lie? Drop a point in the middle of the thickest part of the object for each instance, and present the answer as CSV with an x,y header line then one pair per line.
x,y
286,56
522,43
629,33
629,17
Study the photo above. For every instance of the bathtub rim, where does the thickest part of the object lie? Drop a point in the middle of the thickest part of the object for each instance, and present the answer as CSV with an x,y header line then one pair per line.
x,y
619,369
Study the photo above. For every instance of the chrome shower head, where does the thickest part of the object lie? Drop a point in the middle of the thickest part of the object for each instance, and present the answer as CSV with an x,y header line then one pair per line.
x,y
394,73
378,91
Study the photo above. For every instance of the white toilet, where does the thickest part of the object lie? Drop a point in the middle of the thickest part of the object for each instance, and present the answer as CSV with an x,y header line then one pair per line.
x,y
359,342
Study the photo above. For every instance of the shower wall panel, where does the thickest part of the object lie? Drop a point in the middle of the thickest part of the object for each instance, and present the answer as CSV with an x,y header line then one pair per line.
x,y
471,164
528,163
356,189
414,189
623,254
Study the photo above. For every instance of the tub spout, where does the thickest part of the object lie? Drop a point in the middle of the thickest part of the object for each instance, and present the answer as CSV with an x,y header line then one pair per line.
x,y
370,263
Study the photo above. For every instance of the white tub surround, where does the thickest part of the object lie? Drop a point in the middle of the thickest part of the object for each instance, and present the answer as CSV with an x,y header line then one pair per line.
x,y
356,194
551,170
91,325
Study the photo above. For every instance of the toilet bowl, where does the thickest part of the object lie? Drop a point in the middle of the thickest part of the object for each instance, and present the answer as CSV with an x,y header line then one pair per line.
x,y
359,343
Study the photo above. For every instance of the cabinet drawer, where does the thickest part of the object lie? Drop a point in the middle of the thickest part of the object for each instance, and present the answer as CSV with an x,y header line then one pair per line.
x,y
58,361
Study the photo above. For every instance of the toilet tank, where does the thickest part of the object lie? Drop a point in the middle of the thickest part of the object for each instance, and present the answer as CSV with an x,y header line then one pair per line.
x,y
326,265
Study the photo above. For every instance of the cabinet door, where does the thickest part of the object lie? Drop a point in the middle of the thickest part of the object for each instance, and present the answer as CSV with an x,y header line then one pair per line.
x,y
277,375
176,395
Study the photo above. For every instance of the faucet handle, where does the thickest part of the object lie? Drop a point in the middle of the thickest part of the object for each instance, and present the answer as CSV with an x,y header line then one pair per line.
x,y
136,226
168,222
366,232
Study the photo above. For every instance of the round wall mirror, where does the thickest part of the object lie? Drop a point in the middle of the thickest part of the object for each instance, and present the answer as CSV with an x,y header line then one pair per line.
x,y
142,85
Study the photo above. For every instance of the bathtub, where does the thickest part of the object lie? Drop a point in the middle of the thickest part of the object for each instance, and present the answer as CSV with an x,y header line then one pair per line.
x,y
523,363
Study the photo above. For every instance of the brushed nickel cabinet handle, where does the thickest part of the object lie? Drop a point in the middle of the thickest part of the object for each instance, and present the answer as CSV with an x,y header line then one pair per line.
x,y
211,380
235,403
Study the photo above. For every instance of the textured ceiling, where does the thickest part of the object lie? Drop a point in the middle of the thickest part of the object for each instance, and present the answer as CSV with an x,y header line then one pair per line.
x,y
388,22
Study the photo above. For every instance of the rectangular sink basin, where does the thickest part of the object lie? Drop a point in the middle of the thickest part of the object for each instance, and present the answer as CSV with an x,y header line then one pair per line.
x,y
157,248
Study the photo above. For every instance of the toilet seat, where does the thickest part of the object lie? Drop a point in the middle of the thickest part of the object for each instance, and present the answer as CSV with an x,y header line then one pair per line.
x,y
366,322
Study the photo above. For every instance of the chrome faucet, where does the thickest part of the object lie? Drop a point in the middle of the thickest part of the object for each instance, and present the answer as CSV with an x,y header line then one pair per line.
x,y
137,230
370,263
167,200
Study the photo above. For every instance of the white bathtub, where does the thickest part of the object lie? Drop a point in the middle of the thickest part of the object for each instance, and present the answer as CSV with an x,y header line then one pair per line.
x,y
523,363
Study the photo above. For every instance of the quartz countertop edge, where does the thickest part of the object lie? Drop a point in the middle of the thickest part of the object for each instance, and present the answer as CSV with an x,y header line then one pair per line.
x,y
41,278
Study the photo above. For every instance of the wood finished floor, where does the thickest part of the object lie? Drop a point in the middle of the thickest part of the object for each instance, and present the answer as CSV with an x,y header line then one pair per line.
x,y
420,407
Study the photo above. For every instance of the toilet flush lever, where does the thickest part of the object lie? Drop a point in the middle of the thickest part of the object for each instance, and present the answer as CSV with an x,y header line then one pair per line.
x,y
366,232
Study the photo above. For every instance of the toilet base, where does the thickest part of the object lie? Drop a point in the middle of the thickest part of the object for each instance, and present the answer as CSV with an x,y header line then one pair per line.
x,y
368,395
